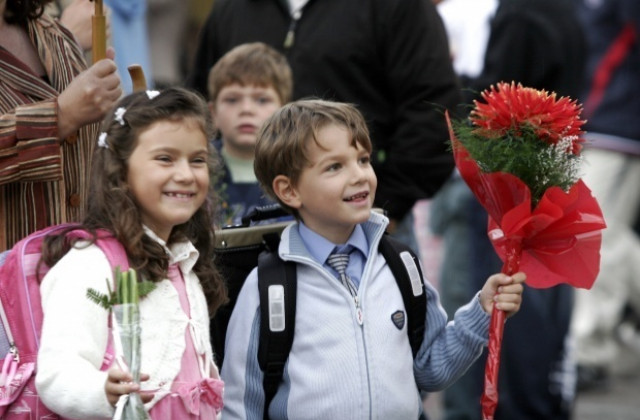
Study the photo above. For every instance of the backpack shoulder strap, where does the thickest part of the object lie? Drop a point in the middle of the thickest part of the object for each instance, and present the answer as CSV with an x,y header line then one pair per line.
x,y
405,266
115,252
112,248
277,288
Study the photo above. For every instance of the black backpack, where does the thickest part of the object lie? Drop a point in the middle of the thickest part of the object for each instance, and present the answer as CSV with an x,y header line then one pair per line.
x,y
240,248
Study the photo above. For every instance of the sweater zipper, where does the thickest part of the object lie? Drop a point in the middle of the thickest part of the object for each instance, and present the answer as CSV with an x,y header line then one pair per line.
x,y
351,288
365,273
366,362
359,316
360,319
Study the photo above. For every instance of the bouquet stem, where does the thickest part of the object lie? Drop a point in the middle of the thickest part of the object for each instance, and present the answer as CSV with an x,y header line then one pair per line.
x,y
127,321
489,399
127,317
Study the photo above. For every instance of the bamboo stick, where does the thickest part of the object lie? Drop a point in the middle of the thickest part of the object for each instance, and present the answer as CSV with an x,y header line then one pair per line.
x,y
99,32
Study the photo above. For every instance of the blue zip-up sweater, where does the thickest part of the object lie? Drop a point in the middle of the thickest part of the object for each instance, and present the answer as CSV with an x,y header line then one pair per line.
x,y
337,368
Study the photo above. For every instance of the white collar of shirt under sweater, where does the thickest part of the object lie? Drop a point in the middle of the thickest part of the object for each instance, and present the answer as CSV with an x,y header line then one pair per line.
x,y
182,253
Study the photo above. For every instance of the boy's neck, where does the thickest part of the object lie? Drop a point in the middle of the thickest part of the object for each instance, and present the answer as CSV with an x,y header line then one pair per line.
x,y
240,169
236,152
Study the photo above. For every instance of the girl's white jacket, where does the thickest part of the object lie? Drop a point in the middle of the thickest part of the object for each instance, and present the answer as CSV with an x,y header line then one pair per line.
x,y
337,368
75,331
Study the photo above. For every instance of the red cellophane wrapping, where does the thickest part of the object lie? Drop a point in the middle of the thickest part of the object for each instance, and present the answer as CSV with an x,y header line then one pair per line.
x,y
556,242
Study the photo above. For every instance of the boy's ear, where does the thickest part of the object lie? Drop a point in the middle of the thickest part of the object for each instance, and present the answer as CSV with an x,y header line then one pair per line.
x,y
285,191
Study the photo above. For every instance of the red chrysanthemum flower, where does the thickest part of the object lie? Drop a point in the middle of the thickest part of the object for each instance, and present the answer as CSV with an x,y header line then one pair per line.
x,y
512,108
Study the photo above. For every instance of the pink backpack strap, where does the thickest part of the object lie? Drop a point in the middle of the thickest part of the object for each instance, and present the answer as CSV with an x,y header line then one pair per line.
x,y
112,248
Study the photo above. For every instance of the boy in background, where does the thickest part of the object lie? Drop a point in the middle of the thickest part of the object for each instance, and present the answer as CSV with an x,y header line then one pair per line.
x,y
350,359
246,86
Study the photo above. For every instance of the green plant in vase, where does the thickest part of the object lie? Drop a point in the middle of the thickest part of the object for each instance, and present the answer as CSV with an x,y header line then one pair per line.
x,y
123,304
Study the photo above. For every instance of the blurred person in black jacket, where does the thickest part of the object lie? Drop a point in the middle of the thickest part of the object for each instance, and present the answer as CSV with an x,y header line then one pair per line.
x,y
389,58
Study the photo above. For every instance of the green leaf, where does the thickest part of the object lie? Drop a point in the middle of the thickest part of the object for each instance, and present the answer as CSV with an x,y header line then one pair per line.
x,y
128,289
101,299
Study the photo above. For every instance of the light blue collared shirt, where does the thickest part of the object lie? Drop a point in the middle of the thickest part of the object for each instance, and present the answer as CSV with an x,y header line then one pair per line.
x,y
320,248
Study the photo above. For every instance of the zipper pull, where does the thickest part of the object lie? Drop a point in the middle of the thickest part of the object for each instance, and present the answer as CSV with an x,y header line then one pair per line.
x,y
290,39
359,315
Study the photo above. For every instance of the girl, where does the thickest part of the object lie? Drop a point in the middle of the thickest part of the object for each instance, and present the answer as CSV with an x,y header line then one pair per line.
x,y
150,187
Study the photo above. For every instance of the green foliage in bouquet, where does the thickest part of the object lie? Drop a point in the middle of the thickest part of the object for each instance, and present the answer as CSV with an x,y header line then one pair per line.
x,y
527,133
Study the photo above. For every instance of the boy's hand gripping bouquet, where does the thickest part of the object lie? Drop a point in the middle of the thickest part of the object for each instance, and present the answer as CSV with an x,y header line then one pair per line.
x,y
125,327
520,156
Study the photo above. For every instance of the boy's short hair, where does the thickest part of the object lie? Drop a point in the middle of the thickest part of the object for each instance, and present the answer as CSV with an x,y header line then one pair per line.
x,y
282,143
254,63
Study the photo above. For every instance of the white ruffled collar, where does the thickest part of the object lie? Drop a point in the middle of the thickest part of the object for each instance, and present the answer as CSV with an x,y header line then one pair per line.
x,y
182,252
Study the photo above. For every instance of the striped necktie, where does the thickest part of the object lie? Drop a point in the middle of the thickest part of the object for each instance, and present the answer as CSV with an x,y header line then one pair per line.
x,y
339,262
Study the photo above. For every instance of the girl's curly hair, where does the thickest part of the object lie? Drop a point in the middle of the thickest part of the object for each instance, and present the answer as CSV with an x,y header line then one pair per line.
x,y
113,207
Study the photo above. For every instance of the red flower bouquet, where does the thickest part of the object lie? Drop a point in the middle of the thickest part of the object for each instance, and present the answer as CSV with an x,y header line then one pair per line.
x,y
519,152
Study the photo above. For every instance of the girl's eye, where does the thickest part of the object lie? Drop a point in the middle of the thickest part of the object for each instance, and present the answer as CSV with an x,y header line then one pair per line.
x,y
199,161
365,160
164,159
230,100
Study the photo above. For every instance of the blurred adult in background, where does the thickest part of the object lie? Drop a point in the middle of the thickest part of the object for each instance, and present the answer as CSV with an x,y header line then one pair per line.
x,y
130,37
467,23
127,32
75,15
611,98
49,107
388,57
167,21
540,44
468,26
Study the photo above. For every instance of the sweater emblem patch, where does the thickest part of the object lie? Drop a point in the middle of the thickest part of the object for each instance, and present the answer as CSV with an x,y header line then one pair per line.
x,y
398,319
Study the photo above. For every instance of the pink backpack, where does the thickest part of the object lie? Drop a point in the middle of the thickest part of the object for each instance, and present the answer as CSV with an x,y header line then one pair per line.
x,y
21,319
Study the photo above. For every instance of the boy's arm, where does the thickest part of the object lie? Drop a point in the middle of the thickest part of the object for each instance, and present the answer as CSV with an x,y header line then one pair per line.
x,y
450,348
242,376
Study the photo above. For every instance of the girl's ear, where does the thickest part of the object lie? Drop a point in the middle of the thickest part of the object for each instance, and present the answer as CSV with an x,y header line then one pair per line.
x,y
286,192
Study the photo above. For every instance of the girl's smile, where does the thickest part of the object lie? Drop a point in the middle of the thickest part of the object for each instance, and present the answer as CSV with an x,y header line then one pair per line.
x,y
168,174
